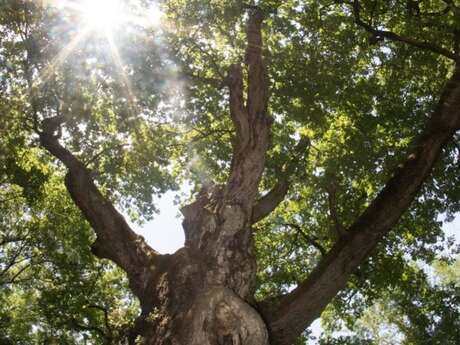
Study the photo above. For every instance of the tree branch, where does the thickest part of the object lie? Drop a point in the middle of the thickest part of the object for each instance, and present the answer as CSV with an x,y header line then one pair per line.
x,y
295,311
267,204
13,280
106,315
6,240
14,260
257,84
337,226
310,240
238,111
398,38
270,201
115,239
251,121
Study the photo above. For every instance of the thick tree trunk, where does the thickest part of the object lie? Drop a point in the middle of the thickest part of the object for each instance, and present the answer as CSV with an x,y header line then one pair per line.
x,y
204,292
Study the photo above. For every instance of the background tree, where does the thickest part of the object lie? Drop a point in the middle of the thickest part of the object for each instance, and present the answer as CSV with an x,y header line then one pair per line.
x,y
316,134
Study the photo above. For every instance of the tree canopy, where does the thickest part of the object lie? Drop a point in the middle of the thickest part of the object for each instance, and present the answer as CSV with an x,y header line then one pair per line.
x,y
362,146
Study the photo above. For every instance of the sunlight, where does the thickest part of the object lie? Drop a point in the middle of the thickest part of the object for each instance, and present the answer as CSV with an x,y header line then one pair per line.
x,y
119,63
108,15
102,14
64,53
154,15
104,18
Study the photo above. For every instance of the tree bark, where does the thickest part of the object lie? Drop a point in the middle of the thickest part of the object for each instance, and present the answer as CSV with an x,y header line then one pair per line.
x,y
204,296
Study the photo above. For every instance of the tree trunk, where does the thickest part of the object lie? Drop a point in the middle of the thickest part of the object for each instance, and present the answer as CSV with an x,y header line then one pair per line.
x,y
203,294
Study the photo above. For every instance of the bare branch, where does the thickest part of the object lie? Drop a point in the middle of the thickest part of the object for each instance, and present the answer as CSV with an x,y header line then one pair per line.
x,y
298,309
398,38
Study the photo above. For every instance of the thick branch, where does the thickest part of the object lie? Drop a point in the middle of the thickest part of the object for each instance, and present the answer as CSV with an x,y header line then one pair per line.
x,y
115,239
297,310
257,88
270,201
251,120
398,38
238,111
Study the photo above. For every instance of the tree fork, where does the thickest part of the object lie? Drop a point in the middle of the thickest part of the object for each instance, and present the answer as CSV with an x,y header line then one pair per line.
x,y
203,293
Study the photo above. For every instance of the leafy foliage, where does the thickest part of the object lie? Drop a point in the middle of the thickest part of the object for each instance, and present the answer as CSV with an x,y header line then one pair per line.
x,y
147,108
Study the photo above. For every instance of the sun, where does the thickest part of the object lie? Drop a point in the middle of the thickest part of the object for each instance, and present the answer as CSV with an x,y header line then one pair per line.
x,y
108,15
104,18
102,14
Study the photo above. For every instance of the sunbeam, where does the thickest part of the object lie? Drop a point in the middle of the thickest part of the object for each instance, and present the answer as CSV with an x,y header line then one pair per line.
x,y
64,53
101,19
119,64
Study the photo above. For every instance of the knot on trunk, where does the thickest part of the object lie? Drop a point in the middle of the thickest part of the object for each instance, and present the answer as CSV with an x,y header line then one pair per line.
x,y
223,318
200,217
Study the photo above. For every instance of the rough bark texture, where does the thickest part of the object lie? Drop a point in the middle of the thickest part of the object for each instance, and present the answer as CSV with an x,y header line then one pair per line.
x,y
203,293
115,239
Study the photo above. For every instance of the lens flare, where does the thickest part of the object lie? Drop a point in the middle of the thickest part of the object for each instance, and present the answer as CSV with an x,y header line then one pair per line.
x,y
102,14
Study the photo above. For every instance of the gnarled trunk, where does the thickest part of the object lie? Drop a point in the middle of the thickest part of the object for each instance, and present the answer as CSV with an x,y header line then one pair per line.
x,y
203,294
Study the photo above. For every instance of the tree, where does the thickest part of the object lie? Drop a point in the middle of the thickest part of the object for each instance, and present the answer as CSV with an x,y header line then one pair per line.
x,y
344,117
423,311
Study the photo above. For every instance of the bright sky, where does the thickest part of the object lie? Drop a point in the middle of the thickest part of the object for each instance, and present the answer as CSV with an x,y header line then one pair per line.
x,y
164,233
